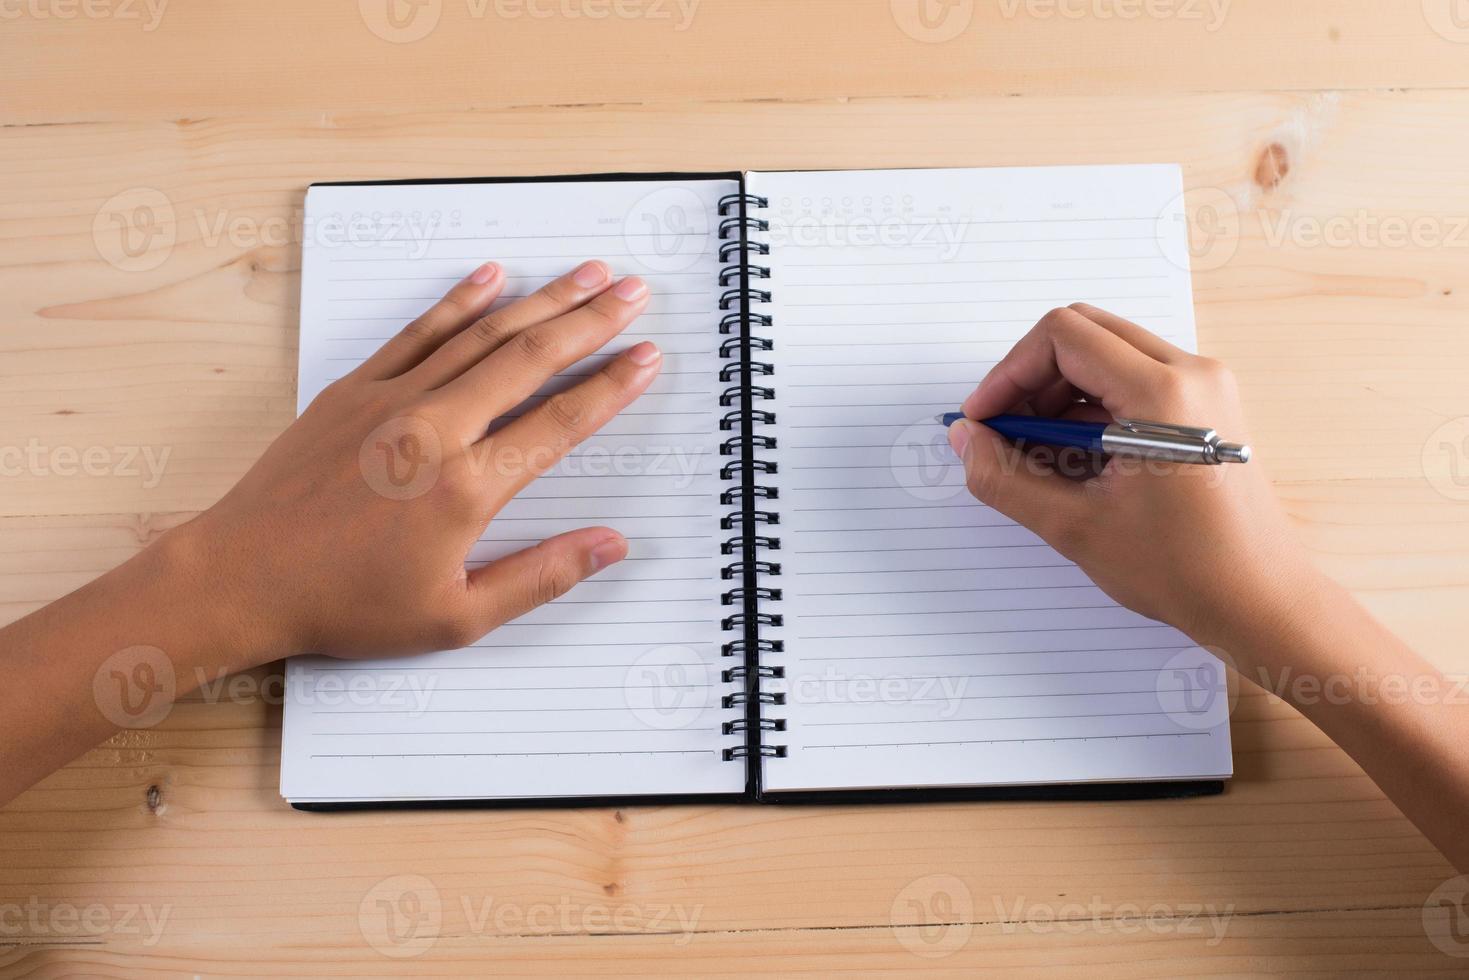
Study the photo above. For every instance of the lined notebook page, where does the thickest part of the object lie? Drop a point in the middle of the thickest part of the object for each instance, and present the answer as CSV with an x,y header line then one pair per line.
x,y
929,640
613,689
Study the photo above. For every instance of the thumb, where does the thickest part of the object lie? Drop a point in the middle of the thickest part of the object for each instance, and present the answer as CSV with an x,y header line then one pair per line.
x,y
1001,476
516,584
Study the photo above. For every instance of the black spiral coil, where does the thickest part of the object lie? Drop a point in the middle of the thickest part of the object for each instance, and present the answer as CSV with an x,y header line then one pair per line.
x,y
750,524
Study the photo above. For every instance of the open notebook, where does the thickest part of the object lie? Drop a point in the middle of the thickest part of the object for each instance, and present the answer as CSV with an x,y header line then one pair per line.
x,y
813,608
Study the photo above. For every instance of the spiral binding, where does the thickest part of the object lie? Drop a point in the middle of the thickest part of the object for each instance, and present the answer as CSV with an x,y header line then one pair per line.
x,y
751,525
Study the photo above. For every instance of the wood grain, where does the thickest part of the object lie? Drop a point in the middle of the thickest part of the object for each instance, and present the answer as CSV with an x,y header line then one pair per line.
x,y
220,118
232,57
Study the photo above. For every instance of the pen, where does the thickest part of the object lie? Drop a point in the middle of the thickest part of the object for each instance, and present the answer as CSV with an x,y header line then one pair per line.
x,y
1124,437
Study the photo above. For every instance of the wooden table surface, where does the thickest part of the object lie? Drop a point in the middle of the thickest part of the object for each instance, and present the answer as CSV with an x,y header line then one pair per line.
x,y
154,159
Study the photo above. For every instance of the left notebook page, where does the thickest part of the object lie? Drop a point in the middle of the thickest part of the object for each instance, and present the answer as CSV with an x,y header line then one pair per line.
x,y
615,689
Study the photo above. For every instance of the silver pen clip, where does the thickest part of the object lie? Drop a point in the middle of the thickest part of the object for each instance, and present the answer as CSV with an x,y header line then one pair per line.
x,y
1180,443
1206,436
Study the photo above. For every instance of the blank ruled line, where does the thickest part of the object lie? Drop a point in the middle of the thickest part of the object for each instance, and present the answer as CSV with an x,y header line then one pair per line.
x,y
509,754
1001,697
967,301
995,588
1155,256
970,568
952,721
1172,647
965,282
511,731
1031,629
925,613
870,550
997,741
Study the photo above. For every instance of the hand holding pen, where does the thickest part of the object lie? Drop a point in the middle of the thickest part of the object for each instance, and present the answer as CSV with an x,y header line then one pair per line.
x,y
1184,546
1124,437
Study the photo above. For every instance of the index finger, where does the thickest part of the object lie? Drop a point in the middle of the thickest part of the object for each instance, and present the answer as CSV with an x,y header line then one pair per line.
x,y
1065,345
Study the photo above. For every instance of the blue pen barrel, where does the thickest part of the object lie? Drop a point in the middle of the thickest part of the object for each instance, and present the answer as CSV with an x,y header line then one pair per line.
x,y
1049,432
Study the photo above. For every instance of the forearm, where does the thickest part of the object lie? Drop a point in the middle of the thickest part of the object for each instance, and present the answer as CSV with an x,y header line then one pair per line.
x,y
111,655
1394,713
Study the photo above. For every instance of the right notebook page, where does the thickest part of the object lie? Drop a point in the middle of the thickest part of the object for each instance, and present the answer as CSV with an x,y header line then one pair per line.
x,y
928,640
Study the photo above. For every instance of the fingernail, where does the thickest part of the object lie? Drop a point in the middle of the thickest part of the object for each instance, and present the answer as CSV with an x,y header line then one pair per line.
x,y
959,436
644,354
485,274
590,274
630,289
609,552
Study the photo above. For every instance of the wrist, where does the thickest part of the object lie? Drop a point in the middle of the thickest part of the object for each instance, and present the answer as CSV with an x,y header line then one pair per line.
x,y
214,626
1284,624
